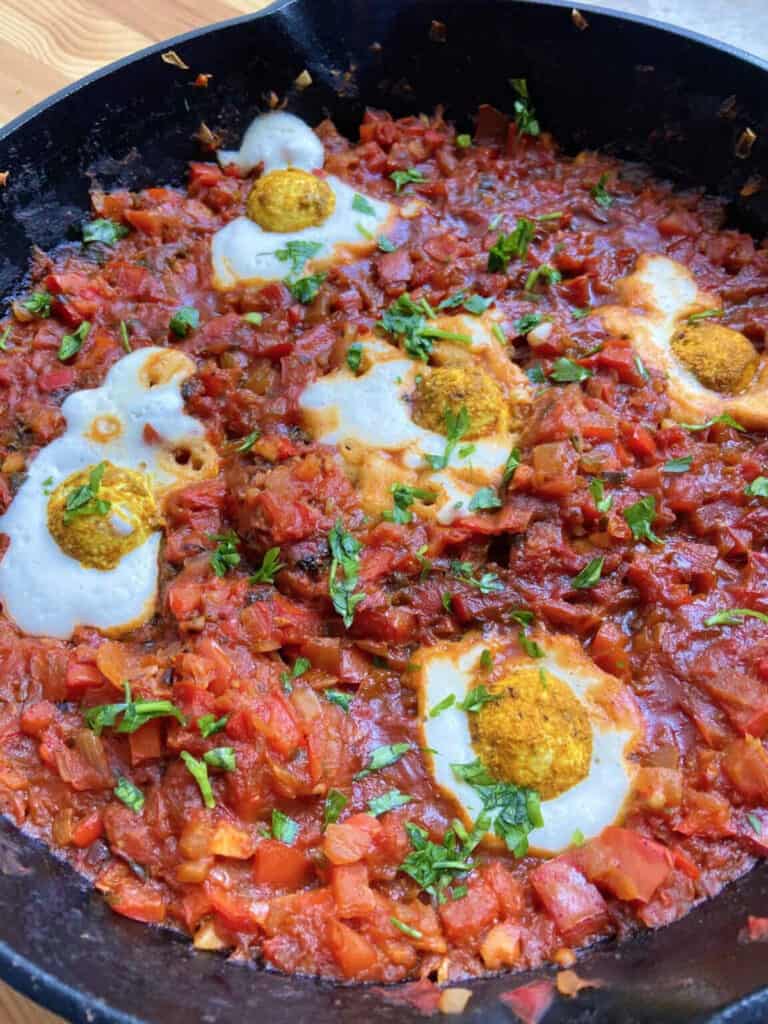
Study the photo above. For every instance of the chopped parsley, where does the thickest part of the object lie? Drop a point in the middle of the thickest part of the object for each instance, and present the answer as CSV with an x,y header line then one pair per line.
x,y
640,518
225,556
528,321
209,725
485,498
125,338
184,320
305,290
758,488
38,303
426,565
535,374
221,757
547,273
488,583
705,314
474,303
566,371
298,253
389,801
723,419
4,339
403,497
199,772
530,647
256,319
498,332
463,141
486,660
681,465
511,811
335,802
403,178
477,698
641,369
446,600
755,824
442,705
511,246
130,795
384,245
511,465
577,839
340,699
284,828
135,713
248,441
354,356
525,116
457,424
412,933
600,193
734,617
72,343
84,500
344,572
269,568
361,205
300,666
48,485
406,319
589,575
603,502
435,866
109,232
580,314
383,757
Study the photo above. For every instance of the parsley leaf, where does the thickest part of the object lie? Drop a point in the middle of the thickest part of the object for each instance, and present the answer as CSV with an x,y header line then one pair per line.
x,y
340,698
354,356
511,246
705,314
383,757
463,141
525,116
527,322
284,828
477,698
248,441
535,374
345,558
403,178
38,303
384,245
221,757
456,426
485,498
298,253
335,802
486,660
209,724
269,568
135,714
72,343
305,290
184,320
255,319
724,419
681,465
734,617
407,319
589,575
412,933
403,497
488,583
125,338
580,314
435,866
300,666
566,371
548,274
474,303
226,555
755,824
511,811
530,647
510,466
102,230
600,193
130,795
388,801
758,488
361,205
640,518
442,705
83,500
199,772
603,502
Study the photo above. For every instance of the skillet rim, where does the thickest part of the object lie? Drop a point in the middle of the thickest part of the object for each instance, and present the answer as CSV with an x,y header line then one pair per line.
x,y
27,976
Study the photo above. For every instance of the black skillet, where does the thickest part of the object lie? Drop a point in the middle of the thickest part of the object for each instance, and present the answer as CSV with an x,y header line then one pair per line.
x,y
665,96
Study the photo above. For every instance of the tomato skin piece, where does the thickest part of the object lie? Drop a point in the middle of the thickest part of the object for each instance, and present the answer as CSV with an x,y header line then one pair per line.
x,y
353,952
276,863
351,890
574,903
745,762
625,863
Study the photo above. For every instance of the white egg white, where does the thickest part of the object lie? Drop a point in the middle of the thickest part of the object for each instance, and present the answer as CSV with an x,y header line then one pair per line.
x,y
654,302
276,140
368,416
587,807
43,590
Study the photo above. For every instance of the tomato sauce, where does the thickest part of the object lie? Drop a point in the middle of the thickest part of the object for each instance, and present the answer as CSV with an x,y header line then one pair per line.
x,y
318,895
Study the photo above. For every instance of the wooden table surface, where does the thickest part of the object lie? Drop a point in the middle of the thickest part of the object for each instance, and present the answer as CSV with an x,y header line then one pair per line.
x,y
44,46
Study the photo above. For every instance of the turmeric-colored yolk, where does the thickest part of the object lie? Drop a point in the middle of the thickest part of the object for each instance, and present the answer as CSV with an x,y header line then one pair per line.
x,y
119,517
453,388
720,358
537,734
290,200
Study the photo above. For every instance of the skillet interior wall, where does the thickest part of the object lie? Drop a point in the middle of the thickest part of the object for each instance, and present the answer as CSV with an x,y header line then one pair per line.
x,y
651,96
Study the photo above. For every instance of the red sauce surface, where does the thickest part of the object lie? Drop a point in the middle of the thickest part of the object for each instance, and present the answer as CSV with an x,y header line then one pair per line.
x,y
324,904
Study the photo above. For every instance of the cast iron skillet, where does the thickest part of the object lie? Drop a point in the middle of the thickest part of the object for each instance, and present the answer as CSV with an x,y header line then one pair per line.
x,y
669,97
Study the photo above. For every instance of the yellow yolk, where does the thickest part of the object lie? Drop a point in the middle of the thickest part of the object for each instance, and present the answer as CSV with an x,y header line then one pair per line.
x,y
536,734
113,521
720,358
453,388
290,200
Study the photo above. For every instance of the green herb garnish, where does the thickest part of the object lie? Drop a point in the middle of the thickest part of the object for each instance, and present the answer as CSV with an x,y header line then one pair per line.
x,y
221,757
734,617
130,795
284,828
84,500
383,757
344,572
335,802
361,205
600,193
525,116
298,253
269,568
225,556
72,343
640,518
589,575
340,699
403,178
389,801
566,371
209,725
681,465
354,355
199,772
511,246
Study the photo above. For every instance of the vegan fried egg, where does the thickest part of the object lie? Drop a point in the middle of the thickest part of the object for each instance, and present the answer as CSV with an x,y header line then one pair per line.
x,y
84,529
710,369
391,418
297,219
556,725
